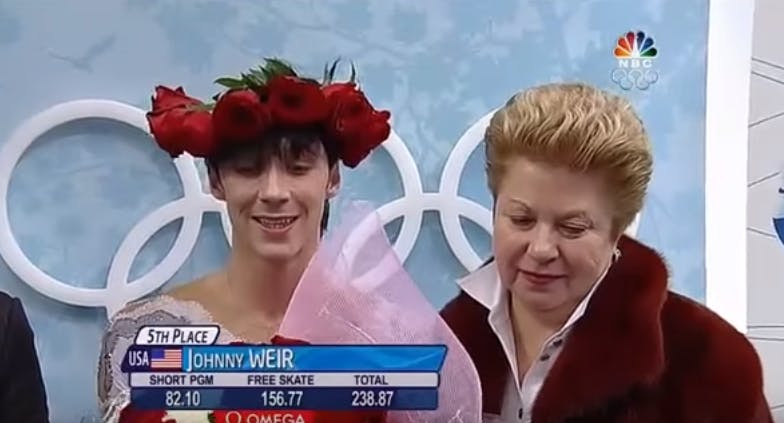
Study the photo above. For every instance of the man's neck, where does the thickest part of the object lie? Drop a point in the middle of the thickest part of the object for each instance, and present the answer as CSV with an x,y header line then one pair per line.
x,y
264,286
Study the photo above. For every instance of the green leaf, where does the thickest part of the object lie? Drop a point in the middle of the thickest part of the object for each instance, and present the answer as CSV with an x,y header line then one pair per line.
x,y
230,83
259,75
277,67
251,81
266,74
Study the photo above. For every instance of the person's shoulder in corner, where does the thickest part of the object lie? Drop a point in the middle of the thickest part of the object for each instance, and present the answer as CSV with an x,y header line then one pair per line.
x,y
22,390
717,365
6,304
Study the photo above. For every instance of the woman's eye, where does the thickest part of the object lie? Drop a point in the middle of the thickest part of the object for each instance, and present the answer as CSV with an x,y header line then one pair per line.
x,y
522,221
573,230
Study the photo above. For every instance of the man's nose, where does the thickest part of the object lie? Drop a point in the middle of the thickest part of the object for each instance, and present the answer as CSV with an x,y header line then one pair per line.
x,y
273,187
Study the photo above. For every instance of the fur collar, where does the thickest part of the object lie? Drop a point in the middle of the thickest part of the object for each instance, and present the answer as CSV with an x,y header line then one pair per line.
x,y
615,347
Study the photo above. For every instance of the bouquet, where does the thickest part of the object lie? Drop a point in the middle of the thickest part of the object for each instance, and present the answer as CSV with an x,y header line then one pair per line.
x,y
356,291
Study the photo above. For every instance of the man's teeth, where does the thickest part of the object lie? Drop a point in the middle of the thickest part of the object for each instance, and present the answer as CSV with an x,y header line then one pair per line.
x,y
275,223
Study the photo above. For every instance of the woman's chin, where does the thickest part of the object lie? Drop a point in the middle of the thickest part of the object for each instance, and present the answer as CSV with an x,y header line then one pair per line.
x,y
538,299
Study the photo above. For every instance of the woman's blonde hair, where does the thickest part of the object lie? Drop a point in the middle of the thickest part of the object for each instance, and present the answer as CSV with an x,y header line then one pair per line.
x,y
579,126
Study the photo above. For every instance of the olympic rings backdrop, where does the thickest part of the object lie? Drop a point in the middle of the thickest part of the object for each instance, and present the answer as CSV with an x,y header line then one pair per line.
x,y
93,215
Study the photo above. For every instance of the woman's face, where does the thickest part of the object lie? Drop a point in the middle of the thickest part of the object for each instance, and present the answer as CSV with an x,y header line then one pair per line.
x,y
553,233
276,205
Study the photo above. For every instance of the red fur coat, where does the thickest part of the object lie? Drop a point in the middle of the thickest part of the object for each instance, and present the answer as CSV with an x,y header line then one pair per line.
x,y
640,354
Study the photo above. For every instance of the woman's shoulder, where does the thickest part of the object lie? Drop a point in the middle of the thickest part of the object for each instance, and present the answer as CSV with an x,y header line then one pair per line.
x,y
467,319
712,362
462,309
686,322
696,336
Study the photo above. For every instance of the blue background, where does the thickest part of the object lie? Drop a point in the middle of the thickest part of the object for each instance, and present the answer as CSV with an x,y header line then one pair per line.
x,y
438,65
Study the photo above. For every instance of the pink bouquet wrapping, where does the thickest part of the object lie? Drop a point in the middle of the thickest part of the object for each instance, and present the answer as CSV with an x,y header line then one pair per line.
x,y
356,291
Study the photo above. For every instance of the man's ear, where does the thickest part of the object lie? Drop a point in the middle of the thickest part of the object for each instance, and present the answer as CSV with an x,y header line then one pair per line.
x,y
333,183
216,186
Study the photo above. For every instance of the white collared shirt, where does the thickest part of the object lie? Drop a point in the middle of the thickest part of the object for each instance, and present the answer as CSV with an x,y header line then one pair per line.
x,y
484,285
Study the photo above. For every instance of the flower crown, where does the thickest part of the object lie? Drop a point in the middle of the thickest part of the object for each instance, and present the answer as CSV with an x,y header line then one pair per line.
x,y
270,96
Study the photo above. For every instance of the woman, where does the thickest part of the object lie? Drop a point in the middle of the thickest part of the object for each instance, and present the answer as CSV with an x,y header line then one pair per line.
x,y
272,143
572,321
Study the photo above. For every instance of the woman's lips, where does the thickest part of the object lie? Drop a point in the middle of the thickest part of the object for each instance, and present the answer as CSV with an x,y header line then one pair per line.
x,y
537,278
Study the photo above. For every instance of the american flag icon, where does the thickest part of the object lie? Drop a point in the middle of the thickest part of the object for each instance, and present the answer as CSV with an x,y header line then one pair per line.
x,y
166,358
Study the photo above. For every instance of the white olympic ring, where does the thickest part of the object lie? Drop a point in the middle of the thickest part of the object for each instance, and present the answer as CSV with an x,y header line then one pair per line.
x,y
195,202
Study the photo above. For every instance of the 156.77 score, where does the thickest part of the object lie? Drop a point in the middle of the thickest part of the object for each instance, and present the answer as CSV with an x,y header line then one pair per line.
x,y
281,398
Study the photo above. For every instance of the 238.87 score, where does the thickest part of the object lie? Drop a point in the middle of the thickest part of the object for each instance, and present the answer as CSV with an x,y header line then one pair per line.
x,y
369,398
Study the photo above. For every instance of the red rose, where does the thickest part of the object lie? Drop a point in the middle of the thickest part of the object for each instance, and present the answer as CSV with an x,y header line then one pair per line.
x,y
132,415
166,98
376,131
354,123
295,102
240,115
338,88
179,125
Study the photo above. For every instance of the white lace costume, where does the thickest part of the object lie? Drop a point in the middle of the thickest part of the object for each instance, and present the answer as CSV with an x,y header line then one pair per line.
x,y
114,392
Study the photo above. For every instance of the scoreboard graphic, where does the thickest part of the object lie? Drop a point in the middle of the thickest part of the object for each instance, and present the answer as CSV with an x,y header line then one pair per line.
x,y
181,368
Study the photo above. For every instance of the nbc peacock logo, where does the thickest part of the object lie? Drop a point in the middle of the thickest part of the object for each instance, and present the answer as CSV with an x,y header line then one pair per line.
x,y
635,52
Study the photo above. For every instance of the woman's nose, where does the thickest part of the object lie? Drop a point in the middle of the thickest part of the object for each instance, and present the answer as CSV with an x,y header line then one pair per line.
x,y
542,247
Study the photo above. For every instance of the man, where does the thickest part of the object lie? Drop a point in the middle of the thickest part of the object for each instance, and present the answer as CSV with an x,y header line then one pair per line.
x,y
22,391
